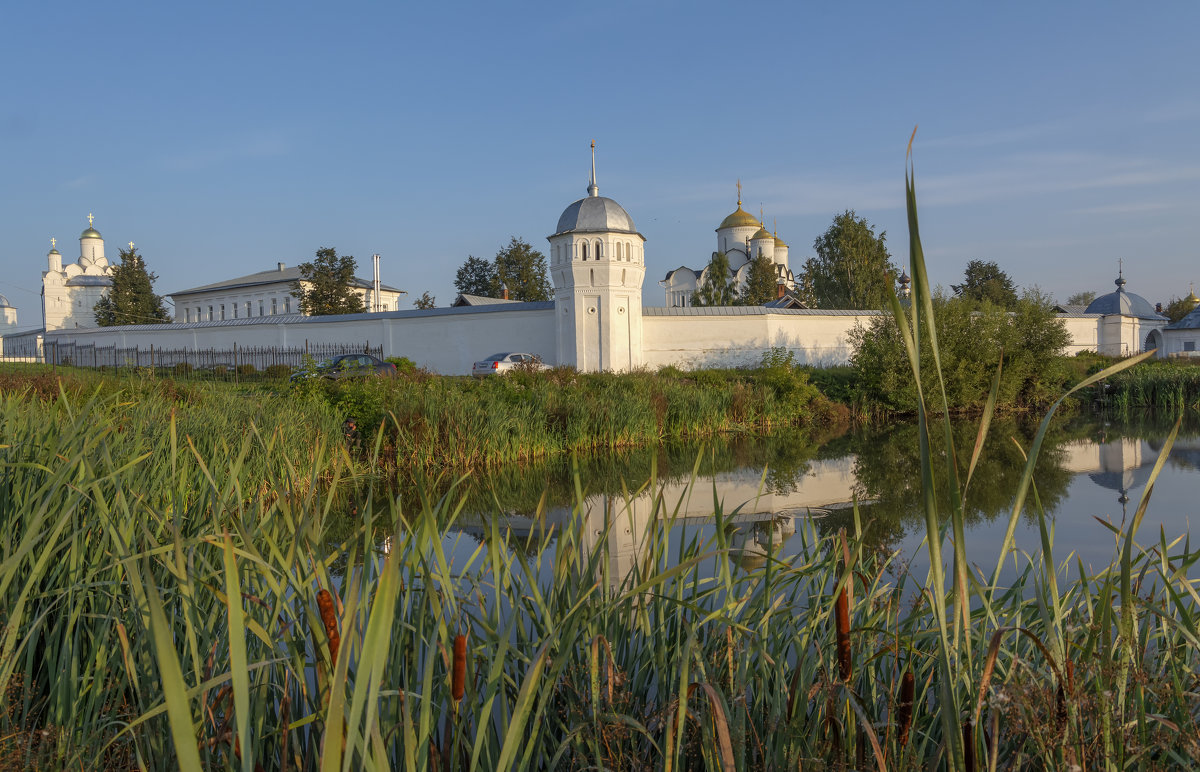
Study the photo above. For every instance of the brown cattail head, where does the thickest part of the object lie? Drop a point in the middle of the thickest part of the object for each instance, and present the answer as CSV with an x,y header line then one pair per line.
x,y
968,733
904,710
329,617
842,618
458,680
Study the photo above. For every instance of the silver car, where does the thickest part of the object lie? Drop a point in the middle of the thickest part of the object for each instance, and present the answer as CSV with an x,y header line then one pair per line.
x,y
503,362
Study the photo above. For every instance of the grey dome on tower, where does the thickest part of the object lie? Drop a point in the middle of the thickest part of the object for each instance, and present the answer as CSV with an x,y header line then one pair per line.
x,y
595,213
1124,303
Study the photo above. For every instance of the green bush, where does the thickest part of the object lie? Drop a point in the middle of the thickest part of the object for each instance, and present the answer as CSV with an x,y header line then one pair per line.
x,y
181,369
971,342
404,365
245,370
277,371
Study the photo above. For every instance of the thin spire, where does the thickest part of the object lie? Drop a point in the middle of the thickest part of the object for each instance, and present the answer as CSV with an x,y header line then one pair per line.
x,y
739,194
593,190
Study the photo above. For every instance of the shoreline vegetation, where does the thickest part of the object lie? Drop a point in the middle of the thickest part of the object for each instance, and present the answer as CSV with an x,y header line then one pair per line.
x,y
445,424
169,599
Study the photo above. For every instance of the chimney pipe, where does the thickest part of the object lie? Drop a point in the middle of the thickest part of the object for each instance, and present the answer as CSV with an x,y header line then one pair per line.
x,y
378,304
281,266
504,291
779,288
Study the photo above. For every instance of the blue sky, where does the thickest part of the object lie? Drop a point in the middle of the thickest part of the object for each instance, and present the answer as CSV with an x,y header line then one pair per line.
x,y
224,137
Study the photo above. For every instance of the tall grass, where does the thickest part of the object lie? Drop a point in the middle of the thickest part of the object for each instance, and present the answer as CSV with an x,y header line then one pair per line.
x,y
170,599
1160,385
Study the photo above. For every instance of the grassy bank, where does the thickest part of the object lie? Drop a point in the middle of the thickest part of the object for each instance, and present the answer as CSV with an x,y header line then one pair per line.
x,y
1171,385
435,423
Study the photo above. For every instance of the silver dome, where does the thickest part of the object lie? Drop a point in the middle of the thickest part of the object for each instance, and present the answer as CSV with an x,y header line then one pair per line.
x,y
1124,303
595,213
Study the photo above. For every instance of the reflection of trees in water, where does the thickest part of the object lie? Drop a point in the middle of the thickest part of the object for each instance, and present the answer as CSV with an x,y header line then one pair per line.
x,y
888,472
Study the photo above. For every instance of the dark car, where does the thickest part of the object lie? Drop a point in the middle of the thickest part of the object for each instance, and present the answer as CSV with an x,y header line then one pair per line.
x,y
350,366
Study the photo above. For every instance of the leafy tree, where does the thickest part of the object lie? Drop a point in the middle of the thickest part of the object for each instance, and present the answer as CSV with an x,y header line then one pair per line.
x,y
852,268
1177,309
983,281
522,269
1082,298
719,287
131,299
326,285
761,284
476,276
970,343
426,301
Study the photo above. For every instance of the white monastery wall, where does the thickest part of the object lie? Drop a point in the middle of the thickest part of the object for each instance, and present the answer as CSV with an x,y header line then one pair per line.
x,y
696,340
446,341
1084,332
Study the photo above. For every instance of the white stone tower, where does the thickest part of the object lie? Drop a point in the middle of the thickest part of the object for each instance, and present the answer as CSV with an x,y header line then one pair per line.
x,y
597,265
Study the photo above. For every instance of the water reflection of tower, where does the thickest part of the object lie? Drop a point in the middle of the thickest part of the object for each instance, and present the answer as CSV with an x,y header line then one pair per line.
x,y
1123,466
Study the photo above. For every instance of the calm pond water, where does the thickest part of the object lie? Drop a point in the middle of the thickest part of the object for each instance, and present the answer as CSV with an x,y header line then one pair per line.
x,y
1091,469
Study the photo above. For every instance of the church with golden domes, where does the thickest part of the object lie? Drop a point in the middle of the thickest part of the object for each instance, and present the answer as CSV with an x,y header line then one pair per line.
x,y
742,237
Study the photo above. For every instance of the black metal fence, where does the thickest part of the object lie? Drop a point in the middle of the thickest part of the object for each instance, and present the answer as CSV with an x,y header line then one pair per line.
x,y
211,363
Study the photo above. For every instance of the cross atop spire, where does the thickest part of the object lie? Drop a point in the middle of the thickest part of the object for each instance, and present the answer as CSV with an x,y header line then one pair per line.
x,y
739,194
131,246
593,190
53,242
91,218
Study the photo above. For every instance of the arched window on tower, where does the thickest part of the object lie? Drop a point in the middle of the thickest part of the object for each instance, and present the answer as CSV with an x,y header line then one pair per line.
x,y
599,249
585,250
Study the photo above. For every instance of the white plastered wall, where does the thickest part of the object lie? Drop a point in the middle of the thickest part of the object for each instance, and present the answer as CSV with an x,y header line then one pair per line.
x,y
440,341
694,341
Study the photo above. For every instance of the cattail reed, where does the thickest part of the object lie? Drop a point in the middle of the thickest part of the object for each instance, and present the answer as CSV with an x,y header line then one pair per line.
x,y
458,681
329,617
842,614
968,737
904,709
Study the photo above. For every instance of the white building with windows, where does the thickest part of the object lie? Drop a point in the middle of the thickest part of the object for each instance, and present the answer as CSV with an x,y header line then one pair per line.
x,y
266,293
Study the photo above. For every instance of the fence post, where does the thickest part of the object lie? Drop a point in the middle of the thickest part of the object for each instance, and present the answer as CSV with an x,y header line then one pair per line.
x,y
235,362
151,356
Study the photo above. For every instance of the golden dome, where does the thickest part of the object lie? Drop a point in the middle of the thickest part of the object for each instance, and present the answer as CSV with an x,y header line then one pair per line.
x,y
739,219
761,233
780,243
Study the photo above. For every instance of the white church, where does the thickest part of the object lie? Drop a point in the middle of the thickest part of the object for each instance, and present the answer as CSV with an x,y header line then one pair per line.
x,y
741,237
597,320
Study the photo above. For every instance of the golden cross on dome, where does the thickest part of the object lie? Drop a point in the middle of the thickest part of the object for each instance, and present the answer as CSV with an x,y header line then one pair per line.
x,y
739,192
90,219
53,242
131,246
